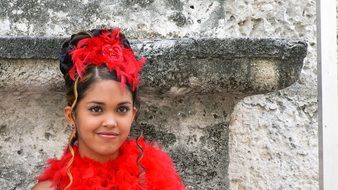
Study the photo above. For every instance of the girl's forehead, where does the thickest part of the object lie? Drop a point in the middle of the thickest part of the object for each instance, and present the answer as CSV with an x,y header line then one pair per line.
x,y
107,90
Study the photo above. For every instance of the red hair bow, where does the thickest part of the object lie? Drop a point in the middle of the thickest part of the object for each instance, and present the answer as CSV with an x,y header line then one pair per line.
x,y
107,48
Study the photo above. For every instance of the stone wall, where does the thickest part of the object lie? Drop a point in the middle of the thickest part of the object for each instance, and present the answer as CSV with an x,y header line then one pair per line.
x,y
272,137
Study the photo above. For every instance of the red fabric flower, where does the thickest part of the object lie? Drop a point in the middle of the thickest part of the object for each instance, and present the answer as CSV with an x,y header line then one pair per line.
x,y
107,48
113,53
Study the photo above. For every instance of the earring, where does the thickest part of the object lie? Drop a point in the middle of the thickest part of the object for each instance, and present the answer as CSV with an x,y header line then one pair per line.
x,y
72,134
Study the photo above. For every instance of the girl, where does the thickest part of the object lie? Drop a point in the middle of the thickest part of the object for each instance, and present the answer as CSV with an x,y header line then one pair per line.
x,y
101,76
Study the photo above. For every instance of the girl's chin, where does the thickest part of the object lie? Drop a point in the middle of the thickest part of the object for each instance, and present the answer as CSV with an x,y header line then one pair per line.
x,y
101,149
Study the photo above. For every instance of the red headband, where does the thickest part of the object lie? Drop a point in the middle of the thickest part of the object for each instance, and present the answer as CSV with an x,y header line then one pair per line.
x,y
107,48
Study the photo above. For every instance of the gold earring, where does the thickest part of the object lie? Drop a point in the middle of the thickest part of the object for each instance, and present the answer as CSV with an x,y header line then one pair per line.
x,y
72,134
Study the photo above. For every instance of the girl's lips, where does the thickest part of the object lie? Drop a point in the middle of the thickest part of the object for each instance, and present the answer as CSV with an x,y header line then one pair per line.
x,y
110,135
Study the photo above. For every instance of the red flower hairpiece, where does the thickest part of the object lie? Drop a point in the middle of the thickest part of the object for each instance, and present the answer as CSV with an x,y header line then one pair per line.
x,y
107,48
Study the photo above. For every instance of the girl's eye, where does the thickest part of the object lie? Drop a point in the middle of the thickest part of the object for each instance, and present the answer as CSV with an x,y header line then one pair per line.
x,y
123,109
95,109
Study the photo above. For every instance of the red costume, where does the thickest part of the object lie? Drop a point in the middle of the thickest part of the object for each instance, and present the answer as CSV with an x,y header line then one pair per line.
x,y
119,174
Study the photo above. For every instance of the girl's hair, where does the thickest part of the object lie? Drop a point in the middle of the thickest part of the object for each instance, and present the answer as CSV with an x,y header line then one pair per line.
x,y
92,73
75,90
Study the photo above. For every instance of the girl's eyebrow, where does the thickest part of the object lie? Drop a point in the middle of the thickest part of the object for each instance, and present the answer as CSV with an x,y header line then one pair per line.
x,y
126,102
96,102
102,103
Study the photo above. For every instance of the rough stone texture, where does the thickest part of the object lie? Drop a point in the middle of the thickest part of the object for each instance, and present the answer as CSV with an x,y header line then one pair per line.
x,y
30,74
237,66
30,47
272,138
282,143
195,131
158,19
168,49
32,129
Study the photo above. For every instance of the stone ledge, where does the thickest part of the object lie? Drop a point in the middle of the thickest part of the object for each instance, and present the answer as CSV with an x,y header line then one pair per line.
x,y
180,66
30,47
48,47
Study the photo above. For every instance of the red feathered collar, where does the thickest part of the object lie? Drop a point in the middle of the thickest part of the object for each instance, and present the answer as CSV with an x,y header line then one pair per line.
x,y
118,174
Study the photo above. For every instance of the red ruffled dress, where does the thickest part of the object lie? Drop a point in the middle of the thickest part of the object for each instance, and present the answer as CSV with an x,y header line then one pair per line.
x,y
119,174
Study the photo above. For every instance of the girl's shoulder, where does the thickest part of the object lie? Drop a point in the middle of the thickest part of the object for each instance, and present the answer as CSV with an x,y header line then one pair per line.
x,y
43,185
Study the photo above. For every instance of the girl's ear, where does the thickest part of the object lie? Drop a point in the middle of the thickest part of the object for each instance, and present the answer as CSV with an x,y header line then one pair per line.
x,y
69,115
135,113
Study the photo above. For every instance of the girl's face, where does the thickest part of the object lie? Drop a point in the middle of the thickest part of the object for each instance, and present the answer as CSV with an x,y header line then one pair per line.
x,y
103,119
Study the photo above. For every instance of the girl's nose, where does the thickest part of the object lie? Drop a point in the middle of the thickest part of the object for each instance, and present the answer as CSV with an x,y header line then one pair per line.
x,y
110,121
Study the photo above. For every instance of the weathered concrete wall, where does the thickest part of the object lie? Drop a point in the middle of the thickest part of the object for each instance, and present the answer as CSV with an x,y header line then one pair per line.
x,y
272,138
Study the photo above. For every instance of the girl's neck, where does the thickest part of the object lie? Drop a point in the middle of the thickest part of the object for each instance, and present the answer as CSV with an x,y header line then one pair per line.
x,y
84,151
